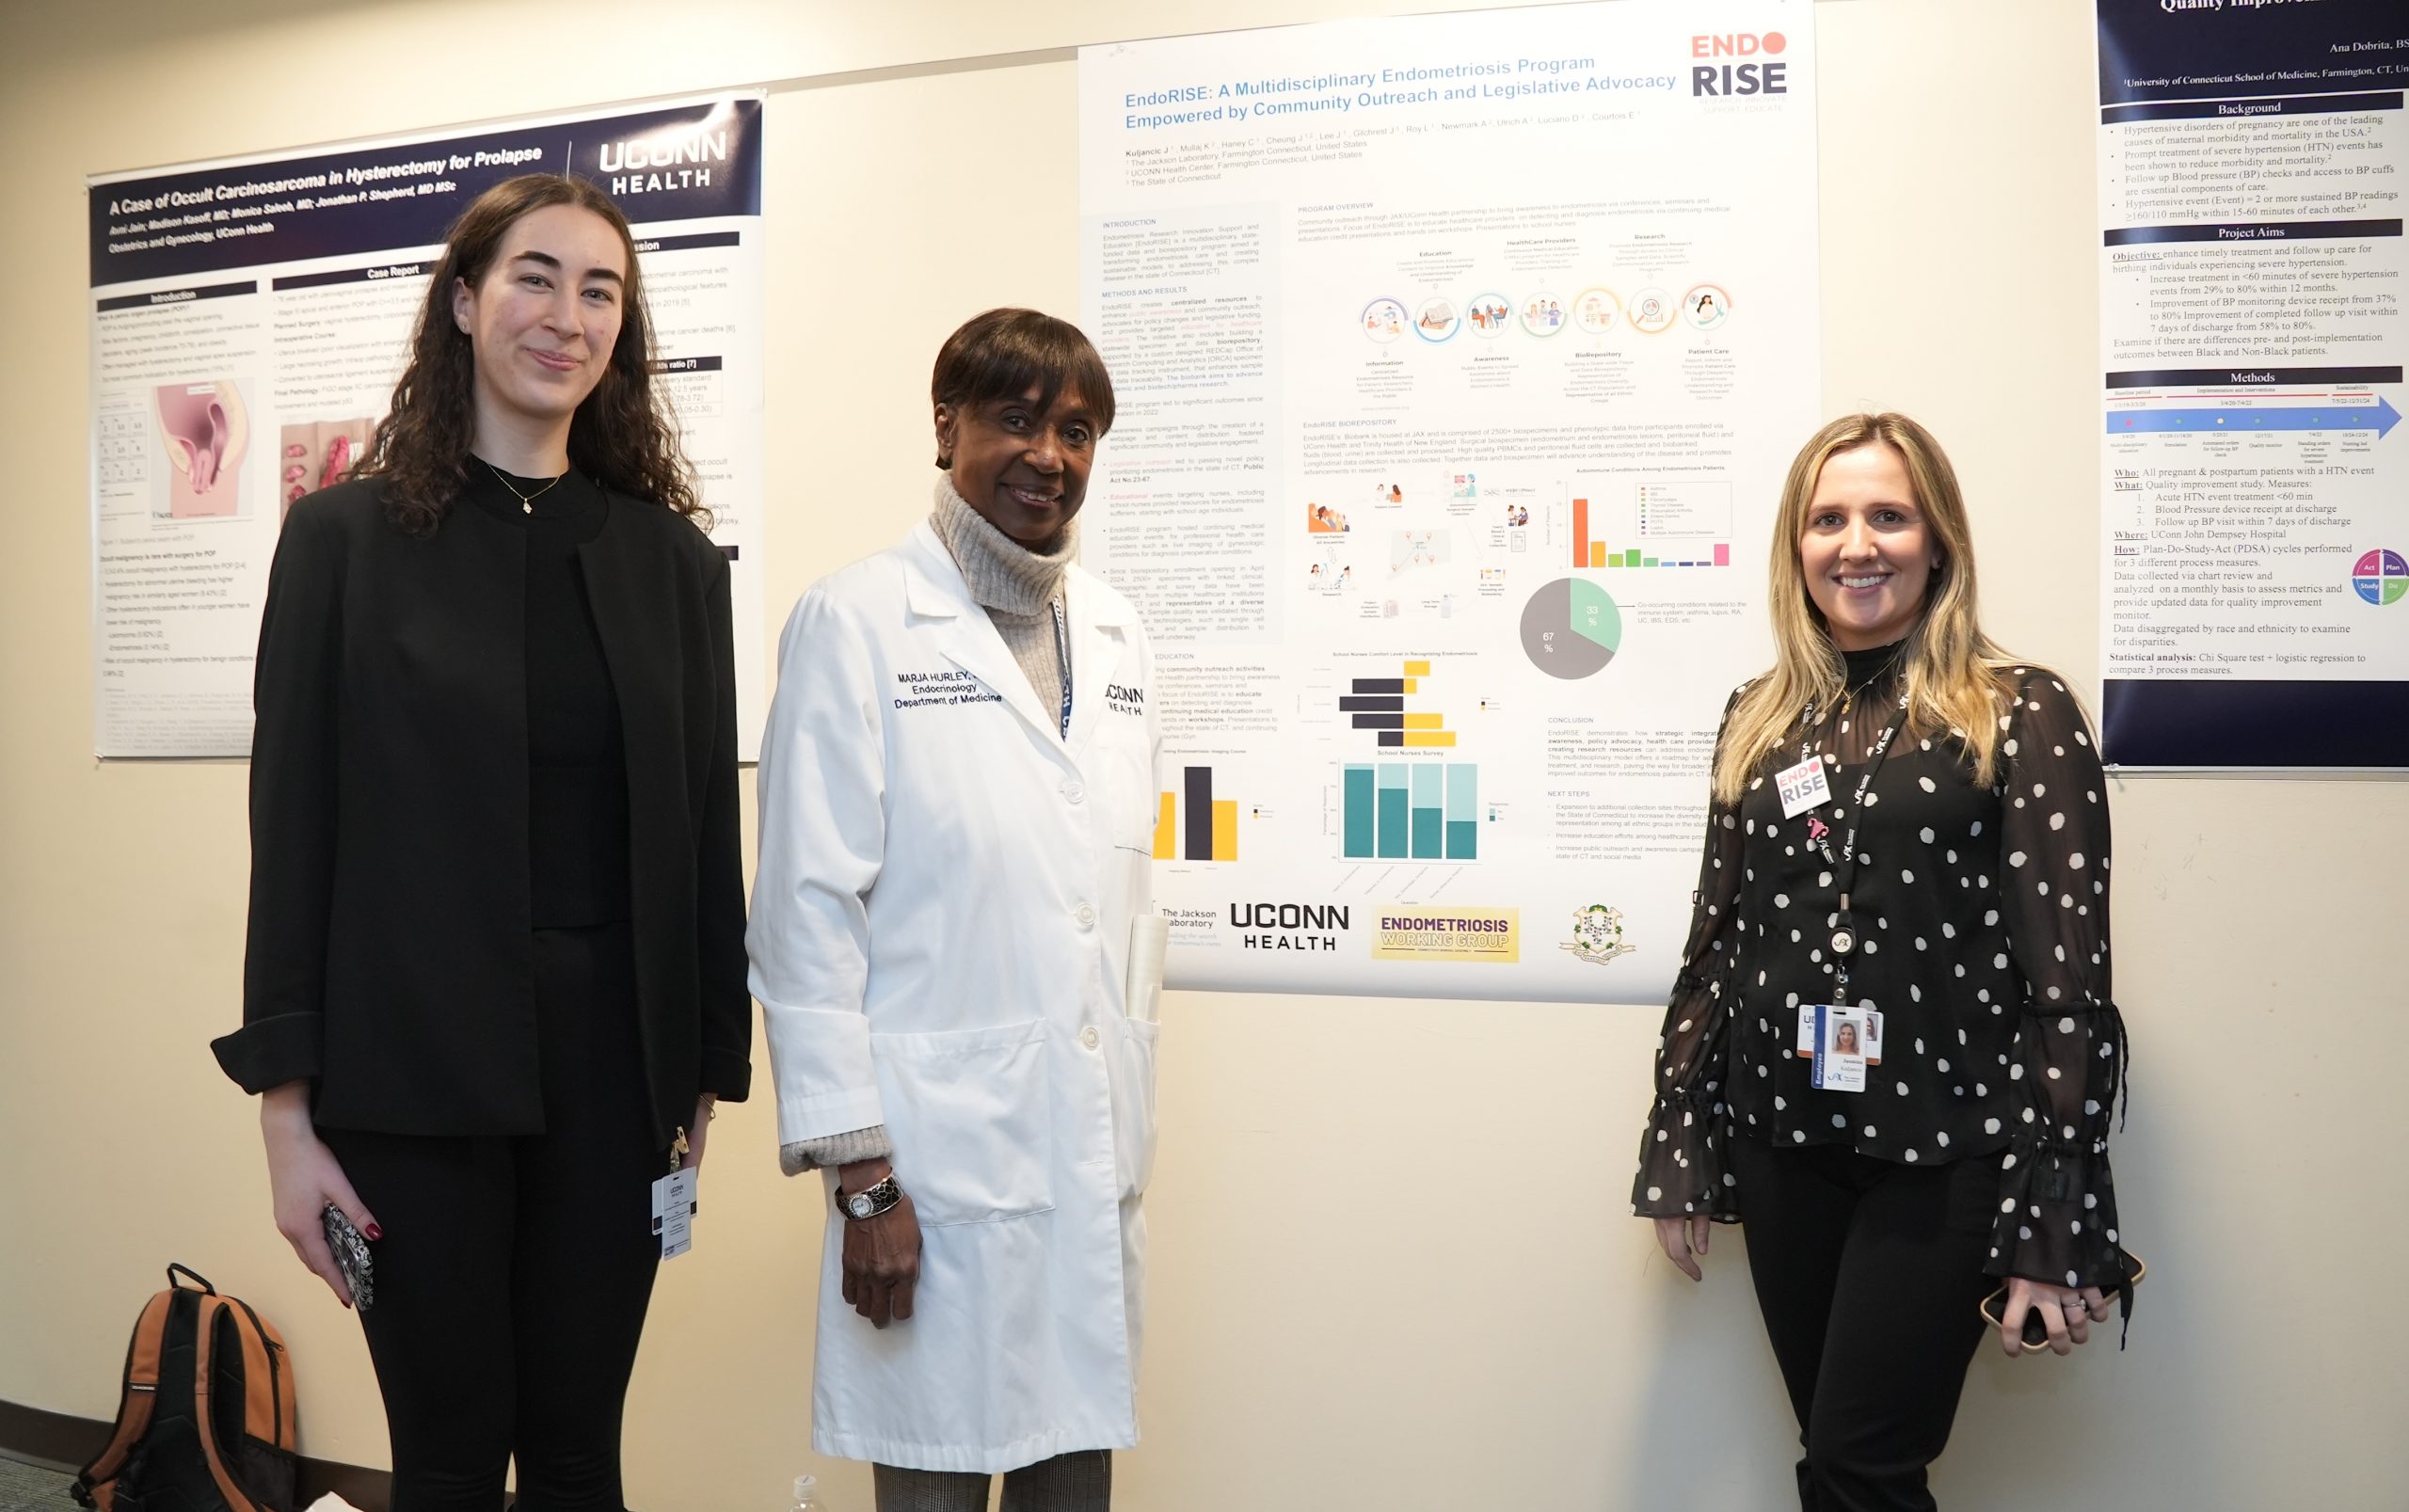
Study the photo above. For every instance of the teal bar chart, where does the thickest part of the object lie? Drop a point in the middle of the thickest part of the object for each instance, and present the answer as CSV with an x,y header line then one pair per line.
x,y
1429,813
1396,816
1360,807
1417,811
1463,812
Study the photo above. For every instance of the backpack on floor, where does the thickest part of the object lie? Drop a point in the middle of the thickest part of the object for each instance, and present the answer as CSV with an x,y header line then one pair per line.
x,y
205,1424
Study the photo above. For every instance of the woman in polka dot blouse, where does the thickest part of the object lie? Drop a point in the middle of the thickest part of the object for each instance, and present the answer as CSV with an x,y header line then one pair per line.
x,y
1975,865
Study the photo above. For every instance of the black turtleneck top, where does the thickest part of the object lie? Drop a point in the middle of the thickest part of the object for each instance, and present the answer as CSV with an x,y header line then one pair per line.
x,y
1982,920
578,839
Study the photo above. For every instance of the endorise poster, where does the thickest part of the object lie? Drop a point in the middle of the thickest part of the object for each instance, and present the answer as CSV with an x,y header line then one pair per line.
x,y
1458,359
250,317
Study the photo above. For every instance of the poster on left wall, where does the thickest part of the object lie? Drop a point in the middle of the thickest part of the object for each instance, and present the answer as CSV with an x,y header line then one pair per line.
x,y
250,317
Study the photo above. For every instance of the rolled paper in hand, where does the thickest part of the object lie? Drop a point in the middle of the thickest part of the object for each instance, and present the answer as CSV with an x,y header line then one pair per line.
x,y
1142,991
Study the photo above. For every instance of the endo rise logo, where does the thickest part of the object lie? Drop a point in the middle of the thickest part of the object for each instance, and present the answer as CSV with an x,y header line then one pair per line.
x,y
1759,77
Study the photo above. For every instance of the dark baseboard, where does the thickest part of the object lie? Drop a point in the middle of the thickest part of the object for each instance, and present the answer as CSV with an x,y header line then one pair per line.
x,y
58,1441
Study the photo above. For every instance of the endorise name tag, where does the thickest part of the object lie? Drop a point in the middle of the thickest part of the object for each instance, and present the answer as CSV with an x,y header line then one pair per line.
x,y
1839,1042
673,1212
1802,787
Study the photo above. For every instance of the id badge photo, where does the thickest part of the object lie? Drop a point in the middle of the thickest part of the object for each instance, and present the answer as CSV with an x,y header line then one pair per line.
x,y
1839,1042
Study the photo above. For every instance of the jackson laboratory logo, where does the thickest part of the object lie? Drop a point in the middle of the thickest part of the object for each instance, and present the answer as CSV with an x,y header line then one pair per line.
x,y
1597,936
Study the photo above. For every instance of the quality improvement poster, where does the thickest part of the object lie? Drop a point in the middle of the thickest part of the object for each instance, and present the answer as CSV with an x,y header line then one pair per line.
x,y
250,317
2254,492
1459,361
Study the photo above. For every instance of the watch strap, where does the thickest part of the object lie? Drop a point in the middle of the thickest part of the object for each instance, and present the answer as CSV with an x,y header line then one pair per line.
x,y
883,1194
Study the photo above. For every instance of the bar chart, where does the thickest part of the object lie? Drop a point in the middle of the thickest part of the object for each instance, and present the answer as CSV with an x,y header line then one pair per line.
x,y
1210,831
1378,704
1410,811
1660,507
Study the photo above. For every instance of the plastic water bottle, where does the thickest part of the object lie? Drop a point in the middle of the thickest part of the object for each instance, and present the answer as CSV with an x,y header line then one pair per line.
x,y
807,1495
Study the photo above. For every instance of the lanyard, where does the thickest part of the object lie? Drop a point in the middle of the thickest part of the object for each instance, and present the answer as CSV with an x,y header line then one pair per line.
x,y
1062,662
1844,866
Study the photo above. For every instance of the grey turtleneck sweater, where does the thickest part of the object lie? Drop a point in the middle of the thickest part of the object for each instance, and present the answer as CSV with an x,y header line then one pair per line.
x,y
1018,588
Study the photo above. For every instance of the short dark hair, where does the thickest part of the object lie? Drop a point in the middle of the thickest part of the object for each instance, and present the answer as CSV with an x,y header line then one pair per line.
x,y
1004,353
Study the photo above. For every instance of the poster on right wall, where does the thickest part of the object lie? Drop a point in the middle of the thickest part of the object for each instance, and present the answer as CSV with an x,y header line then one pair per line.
x,y
2254,498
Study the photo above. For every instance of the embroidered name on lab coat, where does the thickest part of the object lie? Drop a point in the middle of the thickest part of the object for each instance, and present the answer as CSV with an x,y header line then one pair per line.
x,y
938,690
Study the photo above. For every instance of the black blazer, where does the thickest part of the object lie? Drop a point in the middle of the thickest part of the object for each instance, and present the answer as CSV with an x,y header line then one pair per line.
x,y
388,947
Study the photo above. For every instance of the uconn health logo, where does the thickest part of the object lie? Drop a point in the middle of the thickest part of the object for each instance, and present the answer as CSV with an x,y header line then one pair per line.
x,y
1289,926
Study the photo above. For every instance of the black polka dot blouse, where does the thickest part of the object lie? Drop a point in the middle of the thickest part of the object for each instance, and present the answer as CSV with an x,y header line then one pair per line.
x,y
1983,914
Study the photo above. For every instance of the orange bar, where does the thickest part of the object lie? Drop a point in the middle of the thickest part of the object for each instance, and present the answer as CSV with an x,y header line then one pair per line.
x,y
1425,721
1417,669
1165,829
1225,829
1597,553
1430,737
1581,533
1409,683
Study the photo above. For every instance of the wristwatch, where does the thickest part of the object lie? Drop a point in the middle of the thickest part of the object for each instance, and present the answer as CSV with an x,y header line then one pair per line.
x,y
878,1197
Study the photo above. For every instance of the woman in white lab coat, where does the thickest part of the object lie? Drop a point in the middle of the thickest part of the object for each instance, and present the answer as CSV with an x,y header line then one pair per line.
x,y
958,806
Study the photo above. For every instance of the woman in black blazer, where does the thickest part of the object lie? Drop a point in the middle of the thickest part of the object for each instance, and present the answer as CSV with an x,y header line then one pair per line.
x,y
495,975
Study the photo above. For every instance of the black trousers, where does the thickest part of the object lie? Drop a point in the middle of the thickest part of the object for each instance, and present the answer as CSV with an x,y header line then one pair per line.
x,y
1868,1275
513,1277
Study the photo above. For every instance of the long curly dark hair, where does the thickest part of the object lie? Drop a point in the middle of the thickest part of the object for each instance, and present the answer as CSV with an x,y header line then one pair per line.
x,y
623,436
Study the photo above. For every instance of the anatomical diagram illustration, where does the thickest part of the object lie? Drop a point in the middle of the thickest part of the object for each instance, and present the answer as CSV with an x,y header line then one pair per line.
x,y
206,431
315,457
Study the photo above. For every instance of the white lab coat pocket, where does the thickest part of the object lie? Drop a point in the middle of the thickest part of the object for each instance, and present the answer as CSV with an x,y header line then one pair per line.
x,y
970,1113
1133,1107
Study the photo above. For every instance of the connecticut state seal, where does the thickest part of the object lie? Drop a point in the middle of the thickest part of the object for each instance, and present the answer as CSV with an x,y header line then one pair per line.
x,y
1597,936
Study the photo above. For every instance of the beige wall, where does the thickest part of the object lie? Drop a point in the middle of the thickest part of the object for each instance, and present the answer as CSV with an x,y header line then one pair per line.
x,y
1392,1261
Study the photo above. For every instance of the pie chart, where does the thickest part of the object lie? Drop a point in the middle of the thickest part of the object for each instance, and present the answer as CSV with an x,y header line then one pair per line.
x,y
1571,628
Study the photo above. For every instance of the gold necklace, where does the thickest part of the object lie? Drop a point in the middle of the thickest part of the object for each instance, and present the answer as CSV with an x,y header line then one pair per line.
x,y
526,501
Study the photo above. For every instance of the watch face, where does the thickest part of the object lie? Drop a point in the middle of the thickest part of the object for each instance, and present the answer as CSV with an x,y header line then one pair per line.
x,y
859,1205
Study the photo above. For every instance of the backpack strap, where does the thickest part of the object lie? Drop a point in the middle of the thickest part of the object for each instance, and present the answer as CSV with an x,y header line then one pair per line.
x,y
203,1356
267,1378
96,1485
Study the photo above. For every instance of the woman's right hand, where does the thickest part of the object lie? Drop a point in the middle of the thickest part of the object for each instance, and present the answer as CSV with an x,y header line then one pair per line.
x,y
303,1176
1684,1241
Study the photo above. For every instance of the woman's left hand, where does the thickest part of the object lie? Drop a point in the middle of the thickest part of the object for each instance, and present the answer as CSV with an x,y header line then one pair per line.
x,y
2067,1312
698,1131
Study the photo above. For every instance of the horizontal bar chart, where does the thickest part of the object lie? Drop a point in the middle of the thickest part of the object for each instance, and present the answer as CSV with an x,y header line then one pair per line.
x,y
1377,704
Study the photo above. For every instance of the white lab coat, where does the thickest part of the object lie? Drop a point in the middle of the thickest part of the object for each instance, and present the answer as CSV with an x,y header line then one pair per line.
x,y
940,931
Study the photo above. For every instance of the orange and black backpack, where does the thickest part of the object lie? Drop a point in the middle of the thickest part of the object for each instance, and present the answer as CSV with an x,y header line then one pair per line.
x,y
205,1424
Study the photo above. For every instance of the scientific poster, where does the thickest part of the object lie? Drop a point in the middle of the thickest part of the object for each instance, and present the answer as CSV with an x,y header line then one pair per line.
x,y
1458,360
251,315
2253,500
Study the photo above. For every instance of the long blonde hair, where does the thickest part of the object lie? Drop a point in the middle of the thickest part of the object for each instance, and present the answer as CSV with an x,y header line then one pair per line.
x,y
1951,669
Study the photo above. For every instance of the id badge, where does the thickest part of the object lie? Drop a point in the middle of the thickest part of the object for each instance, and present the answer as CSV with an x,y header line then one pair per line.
x,y
1802,787
1842,1042
673,1212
